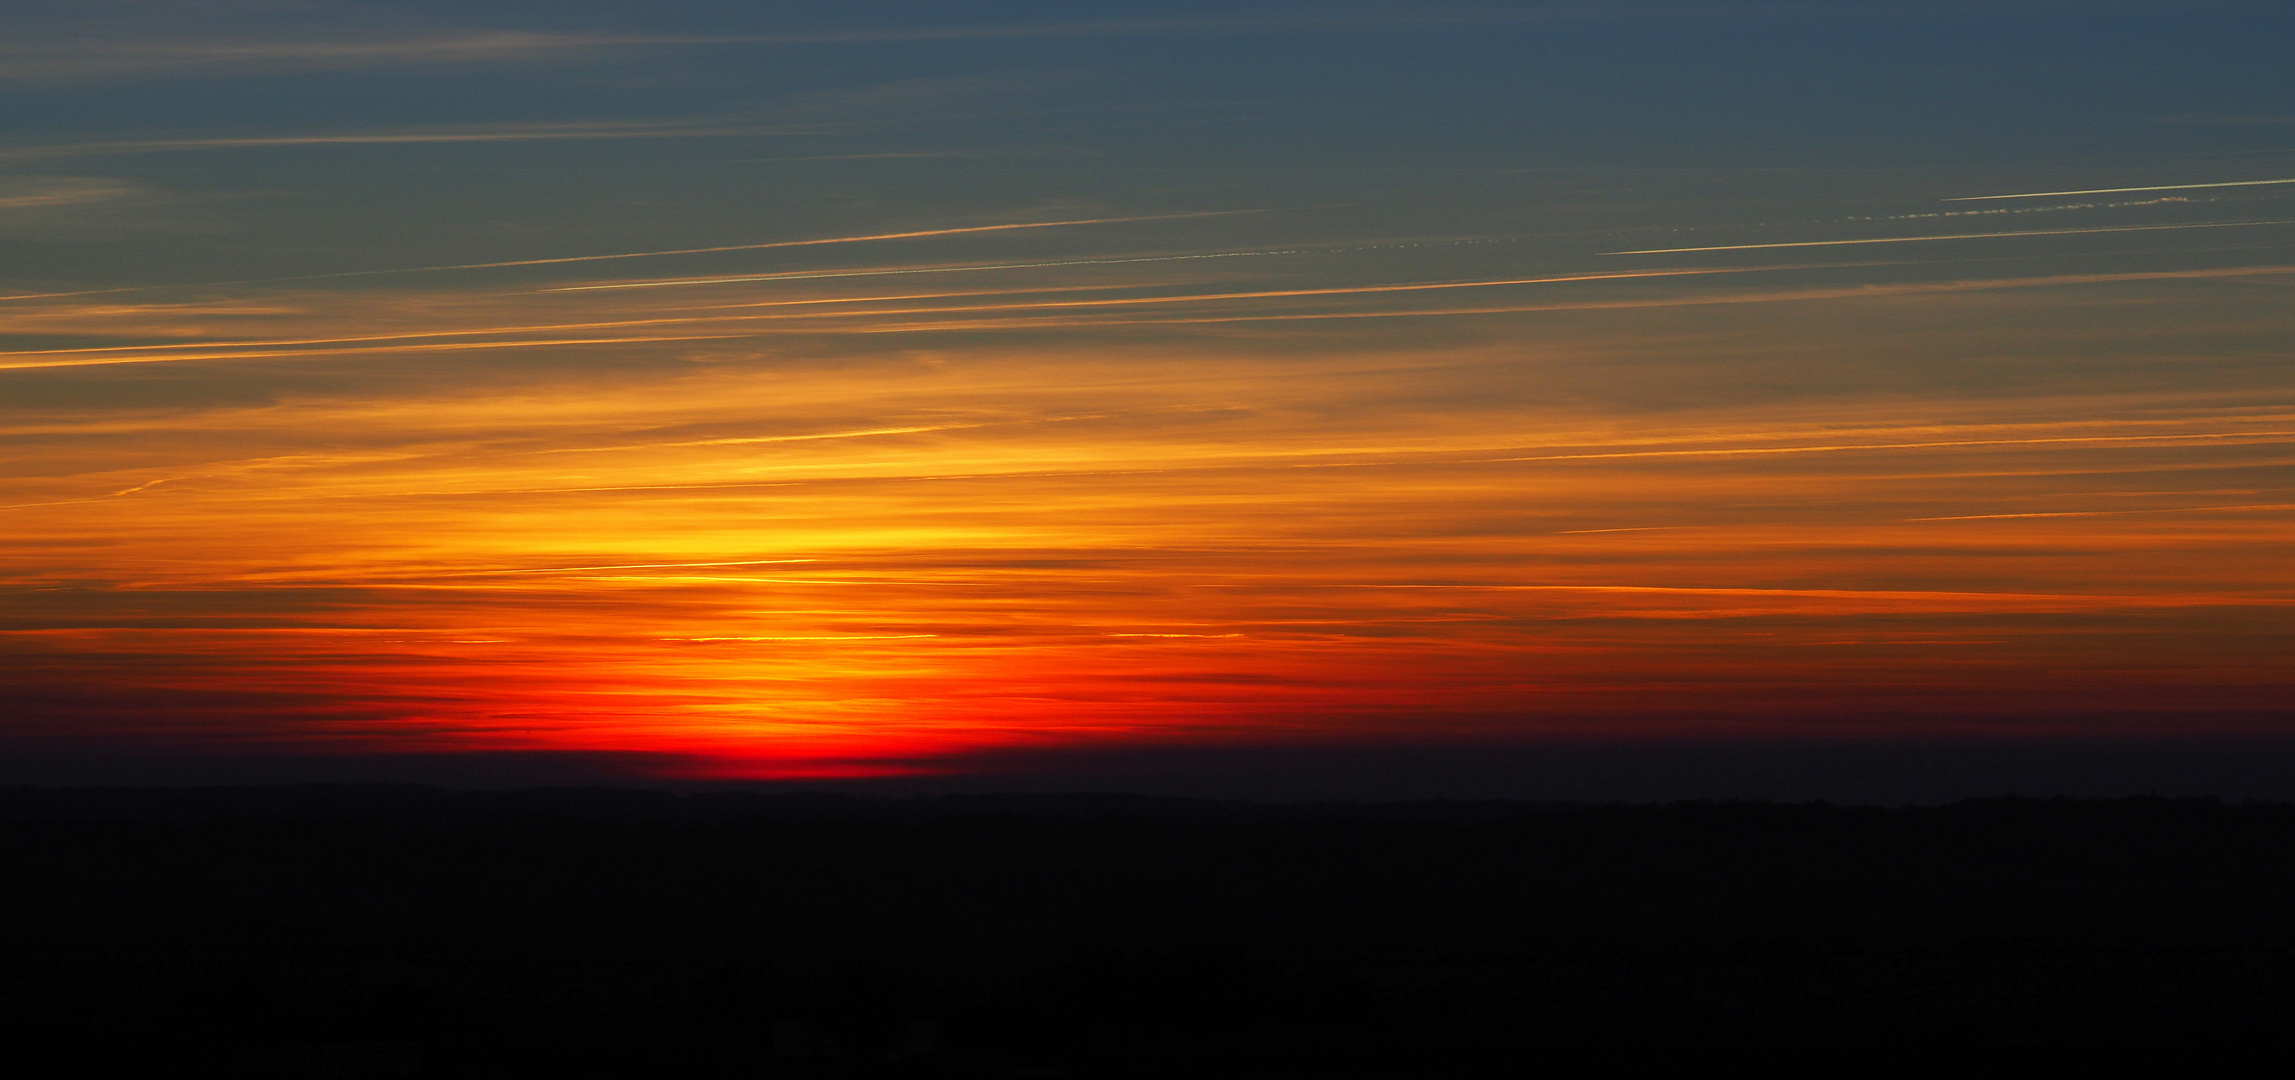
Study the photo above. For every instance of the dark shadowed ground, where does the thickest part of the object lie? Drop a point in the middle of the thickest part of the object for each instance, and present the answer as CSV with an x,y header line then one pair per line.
x,y
380,930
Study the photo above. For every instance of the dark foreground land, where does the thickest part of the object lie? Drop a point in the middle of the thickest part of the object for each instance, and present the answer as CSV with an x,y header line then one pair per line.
x,y
379,931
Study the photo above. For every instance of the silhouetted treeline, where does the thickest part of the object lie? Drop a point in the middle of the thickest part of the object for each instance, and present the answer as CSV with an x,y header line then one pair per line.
x,y
402,931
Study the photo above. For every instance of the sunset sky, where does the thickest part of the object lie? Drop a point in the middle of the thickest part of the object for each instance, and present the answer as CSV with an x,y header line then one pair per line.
x,y
813,391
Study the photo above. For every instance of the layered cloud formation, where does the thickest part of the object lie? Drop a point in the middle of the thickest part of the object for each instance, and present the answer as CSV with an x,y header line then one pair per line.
x,y
454,432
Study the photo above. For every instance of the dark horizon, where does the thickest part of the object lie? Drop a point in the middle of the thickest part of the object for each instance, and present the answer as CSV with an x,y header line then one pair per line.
x,y
301,933
1869,772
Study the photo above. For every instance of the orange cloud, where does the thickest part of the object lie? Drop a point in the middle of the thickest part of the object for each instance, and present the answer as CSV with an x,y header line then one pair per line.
x,y
832,552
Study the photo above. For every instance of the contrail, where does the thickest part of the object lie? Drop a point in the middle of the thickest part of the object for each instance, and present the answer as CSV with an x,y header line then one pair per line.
x,y
2117,190
757,439
1852,447
800,243
145,353
814,637
1955,236
813,276
649,254
1339,291
511,134
629,566
1277,293
1831,594
1848,292
1033,305
2105,599
925,270
446,347
486,330
2110,513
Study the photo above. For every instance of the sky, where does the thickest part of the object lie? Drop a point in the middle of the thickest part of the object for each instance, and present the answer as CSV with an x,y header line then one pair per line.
x,y
774,391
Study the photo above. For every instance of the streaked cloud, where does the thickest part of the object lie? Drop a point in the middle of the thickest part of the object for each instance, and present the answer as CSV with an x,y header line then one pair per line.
x,y
800,391
2225,120
111,57
42,192
336,37
52,207
485,133
912,234
2119,190
1957,236
1057,540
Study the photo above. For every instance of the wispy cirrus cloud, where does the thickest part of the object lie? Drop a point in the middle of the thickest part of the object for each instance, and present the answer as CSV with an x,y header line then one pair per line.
x,y
86,43
464,133
1955,236
45,192
964,230
2118,190
2223,120
91,206
90,56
